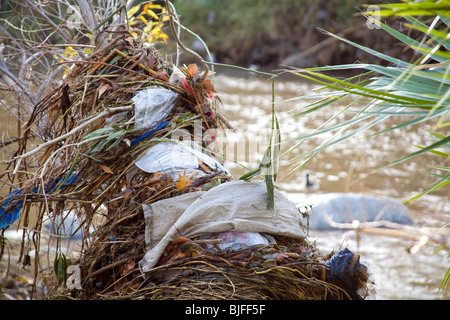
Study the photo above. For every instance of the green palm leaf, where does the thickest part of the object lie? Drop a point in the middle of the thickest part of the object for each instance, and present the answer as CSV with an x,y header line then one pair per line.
x,y
419,89
403,88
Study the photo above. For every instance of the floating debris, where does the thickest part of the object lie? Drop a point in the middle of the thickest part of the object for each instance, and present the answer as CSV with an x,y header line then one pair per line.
x,y
93,165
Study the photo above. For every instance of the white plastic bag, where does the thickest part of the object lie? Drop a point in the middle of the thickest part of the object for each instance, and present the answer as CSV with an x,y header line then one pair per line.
x,y
239,240
236,240
152,106
176,77
175,158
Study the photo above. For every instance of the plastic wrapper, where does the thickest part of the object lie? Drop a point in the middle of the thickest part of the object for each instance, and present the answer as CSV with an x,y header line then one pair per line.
x,y
176,77
175,158
66,226
239,240
152,106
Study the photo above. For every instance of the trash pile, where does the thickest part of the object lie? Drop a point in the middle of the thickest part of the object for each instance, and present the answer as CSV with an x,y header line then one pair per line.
x,y
129,150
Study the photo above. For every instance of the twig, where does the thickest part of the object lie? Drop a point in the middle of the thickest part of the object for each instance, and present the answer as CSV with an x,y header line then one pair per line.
x,y
45,83
218,270
26,63
44,167
13,81
113,265
121,20
187,50
57,28
392,229
225,121
201,40
87,14
202,180
150,71
62,137
177,61
272,75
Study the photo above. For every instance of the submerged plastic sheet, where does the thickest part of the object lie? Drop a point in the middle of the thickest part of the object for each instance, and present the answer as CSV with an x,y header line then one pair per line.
x,y
175,158
239,206
346,207
152,106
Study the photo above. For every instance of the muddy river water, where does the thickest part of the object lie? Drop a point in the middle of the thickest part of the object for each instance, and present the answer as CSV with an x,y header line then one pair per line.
x,y
345,167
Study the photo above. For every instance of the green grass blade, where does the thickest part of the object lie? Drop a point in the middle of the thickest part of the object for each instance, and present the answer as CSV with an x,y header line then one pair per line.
x,y
439,153
421,8
251,174
371,51
315,109
439,184
417,153
361,90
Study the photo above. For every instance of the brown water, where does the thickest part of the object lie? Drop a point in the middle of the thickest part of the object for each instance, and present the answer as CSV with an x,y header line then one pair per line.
x,y
345,167
341,168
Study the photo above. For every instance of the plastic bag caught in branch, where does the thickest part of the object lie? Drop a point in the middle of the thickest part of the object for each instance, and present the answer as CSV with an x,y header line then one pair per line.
x,y
176,158
153,105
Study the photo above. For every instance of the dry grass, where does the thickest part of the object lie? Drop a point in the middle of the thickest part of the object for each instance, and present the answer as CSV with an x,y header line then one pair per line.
x,y
87,166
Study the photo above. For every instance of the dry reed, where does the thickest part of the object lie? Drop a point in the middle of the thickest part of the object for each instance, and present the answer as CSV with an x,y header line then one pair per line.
x,y
86,165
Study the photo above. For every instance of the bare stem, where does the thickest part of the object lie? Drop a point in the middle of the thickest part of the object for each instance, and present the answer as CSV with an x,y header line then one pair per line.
x,y
187,50
57,28
68,134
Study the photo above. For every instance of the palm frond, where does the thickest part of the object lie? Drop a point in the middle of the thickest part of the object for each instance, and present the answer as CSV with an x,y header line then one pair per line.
x,y
419,89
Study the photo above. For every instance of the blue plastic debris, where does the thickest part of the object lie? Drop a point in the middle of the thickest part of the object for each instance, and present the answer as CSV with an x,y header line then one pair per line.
x,y
61,182
162,125
9,212
8,217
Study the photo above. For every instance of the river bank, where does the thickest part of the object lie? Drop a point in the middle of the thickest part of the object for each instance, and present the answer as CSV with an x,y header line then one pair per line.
x,y
270,34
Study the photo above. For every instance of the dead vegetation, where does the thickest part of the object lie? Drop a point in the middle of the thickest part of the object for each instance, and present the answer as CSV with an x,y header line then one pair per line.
x,y
84,163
